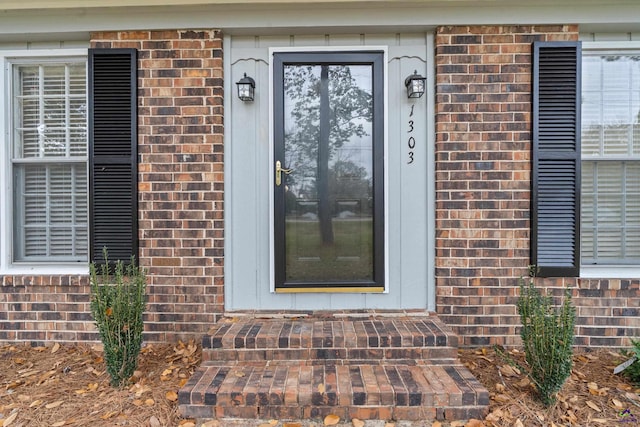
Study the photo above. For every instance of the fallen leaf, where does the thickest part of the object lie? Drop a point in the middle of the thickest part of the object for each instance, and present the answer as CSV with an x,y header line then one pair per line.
x,y
55,348
58,424
572,417
109,415
357,423
474,423
292,425
331,420
632,396
593,406
321,388
494,417
54,404
35,403
171,396
617,404
239,374
188,424
273,422
154,422
10,419
501,398
500,387
149,402
211,423
509,371
457,424
436,424
137,402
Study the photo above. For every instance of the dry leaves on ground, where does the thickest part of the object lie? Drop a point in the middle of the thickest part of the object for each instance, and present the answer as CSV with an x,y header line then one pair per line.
x,y
592,396
66,385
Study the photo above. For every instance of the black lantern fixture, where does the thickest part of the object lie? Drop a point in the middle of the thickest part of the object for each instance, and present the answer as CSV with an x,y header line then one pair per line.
x,y
415,84
246,88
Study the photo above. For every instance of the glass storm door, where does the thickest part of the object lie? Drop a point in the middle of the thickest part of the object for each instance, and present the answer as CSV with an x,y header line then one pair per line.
x,y
328,171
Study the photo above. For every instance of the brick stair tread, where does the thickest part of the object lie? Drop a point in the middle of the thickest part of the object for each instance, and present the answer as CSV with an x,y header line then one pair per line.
x,y
303,390
415,336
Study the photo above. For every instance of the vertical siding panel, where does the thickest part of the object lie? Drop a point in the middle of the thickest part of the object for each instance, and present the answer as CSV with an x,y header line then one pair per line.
x,y
249,164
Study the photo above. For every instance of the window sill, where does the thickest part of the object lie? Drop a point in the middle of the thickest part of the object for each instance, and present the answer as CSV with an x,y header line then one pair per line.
x,y
610,272
46,270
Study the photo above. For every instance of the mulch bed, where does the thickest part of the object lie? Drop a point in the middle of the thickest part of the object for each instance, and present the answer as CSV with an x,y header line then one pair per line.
x,y
592,396
67,386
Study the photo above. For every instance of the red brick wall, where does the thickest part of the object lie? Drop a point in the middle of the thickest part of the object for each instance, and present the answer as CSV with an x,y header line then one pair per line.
x,y
181,176
181,189
483,169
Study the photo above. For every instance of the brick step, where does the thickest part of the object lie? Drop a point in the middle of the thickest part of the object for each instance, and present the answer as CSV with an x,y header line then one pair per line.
x,y
331,336
435,355
281,390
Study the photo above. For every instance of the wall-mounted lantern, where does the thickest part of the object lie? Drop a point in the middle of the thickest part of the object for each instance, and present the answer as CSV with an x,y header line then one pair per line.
x,y
415,85
246,88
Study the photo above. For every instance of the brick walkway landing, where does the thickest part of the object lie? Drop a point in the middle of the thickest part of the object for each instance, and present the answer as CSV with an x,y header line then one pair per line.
x,y
373,365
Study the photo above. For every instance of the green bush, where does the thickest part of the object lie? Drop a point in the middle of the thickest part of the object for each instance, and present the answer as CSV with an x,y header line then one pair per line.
x,y
633,371
117,305
547,337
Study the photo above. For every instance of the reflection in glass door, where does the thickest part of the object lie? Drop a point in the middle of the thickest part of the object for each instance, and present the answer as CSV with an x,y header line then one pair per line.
x,y
329,223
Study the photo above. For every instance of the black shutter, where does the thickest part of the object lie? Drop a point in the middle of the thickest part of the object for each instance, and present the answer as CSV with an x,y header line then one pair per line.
x,y
113,217
555,204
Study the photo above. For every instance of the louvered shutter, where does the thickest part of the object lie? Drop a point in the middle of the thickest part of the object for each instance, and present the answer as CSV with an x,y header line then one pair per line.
x,y
555,206
113,154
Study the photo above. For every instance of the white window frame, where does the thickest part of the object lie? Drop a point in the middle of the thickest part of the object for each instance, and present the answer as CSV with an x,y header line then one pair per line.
x,y
7,266
610,271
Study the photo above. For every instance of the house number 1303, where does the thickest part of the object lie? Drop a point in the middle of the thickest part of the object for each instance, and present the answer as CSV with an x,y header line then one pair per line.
x,y
411,142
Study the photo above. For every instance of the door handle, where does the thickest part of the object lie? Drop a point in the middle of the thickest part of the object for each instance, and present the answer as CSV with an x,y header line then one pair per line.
x,y
279,171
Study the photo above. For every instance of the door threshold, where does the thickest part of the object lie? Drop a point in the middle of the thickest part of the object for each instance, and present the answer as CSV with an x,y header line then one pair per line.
x,y
327,290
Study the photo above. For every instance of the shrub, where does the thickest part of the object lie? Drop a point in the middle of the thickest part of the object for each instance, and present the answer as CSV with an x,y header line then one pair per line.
x,y
633,371
547,337
117,305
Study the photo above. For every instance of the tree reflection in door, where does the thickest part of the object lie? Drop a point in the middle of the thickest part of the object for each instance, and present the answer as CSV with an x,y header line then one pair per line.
x,y
328,142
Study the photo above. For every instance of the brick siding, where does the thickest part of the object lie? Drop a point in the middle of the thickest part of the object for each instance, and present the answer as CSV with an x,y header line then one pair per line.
x,y
180,192
483,170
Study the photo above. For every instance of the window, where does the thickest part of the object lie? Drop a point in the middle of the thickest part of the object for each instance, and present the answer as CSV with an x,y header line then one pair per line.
x,y
68,157
610,219
48,146
586,160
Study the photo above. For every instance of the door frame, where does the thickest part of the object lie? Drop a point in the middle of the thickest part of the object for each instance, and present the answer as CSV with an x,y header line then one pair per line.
x,y
272,260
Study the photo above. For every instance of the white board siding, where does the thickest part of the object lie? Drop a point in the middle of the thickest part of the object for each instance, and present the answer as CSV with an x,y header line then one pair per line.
x,y
248,169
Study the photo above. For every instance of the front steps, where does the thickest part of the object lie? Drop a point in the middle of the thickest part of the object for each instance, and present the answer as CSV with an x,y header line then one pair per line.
x,y
366,365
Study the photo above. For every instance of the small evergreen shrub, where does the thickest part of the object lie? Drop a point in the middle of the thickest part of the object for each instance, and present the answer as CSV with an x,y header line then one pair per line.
x,y
547,336
117,305
632,372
